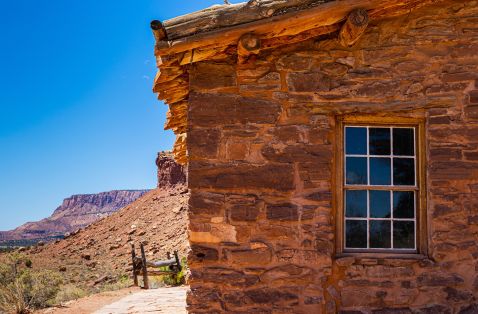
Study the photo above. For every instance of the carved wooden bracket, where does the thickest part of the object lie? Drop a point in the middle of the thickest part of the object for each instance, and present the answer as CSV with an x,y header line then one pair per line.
x,y
354,27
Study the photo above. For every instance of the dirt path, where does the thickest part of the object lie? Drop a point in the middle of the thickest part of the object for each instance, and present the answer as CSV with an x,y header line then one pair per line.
x,y
128,301
161,301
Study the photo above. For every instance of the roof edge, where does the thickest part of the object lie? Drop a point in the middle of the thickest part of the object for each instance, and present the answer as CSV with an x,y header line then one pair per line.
x,y
288,24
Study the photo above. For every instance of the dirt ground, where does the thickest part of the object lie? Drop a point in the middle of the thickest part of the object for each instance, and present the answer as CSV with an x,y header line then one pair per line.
x,y
127,301
91,303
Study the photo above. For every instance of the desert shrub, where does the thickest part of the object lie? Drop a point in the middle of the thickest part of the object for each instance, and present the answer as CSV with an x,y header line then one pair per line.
x,y
70,292
121,282
28,263
175,279
22,289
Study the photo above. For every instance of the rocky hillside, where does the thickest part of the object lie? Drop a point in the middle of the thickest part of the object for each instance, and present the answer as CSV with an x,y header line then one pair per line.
x,y
101,252
77,211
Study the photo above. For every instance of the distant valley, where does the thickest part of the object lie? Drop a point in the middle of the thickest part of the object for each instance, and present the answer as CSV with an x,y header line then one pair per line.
x,y
76,212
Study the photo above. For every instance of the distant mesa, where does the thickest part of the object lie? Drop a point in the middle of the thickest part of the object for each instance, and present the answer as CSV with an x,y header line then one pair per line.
x,y
76,212
79,211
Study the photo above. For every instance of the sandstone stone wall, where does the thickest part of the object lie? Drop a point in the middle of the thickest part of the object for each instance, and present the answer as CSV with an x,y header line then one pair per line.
x,y
261,142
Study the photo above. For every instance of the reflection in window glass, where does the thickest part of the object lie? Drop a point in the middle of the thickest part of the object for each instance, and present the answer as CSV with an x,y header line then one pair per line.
x,y
403,204
379,213
380,231
356,141
403,142
403,171
380,171
379,139
356,204
380,204
356,170
356,233
404,234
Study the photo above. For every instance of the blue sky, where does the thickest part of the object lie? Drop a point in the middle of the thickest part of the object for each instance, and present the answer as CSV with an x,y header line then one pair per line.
x,y
77,114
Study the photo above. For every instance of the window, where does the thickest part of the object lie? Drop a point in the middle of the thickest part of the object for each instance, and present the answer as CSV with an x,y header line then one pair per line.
x,y
380,190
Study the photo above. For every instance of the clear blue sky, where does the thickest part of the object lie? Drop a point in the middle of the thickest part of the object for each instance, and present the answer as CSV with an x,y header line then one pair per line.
x,y
77,114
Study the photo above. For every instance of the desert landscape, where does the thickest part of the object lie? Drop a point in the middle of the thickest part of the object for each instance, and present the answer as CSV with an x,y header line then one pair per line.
x,y
317,157
95,257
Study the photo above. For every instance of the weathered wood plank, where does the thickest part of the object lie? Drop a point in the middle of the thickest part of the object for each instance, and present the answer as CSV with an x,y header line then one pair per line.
x,y
289,24
135,275
168,262
219,16
144,268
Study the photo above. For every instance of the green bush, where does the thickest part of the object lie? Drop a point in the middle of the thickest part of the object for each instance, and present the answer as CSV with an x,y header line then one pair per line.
x,y
22,289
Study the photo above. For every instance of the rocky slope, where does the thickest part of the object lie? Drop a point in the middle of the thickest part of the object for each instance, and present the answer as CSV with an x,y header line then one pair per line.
x,y
101,252
77,211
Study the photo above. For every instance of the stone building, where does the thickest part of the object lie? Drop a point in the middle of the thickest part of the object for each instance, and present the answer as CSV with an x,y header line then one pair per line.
x,y
331,151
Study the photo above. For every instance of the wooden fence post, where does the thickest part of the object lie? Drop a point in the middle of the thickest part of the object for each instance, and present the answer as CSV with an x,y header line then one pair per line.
x,y
178,262
145,268
133,257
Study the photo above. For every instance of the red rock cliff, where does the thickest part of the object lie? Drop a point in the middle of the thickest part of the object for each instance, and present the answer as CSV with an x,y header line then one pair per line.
x,y
170,173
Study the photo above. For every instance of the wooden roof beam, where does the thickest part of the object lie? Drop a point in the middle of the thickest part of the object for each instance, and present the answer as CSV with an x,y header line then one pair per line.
x,y
159,31
249,44
289,24
354,27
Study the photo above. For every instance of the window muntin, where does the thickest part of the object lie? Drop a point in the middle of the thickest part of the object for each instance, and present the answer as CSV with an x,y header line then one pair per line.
x,y
380,188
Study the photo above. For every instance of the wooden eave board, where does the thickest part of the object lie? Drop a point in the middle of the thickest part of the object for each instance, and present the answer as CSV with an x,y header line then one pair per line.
x,y
219,16
293,23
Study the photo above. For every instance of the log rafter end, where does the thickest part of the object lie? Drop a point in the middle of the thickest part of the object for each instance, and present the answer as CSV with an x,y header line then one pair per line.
x,y
248,44
354,27
159,31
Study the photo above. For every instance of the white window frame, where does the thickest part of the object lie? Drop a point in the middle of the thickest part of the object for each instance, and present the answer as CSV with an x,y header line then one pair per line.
x,y
391,188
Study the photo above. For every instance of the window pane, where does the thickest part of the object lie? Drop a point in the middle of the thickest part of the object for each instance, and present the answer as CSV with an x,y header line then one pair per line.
x,y
380,234
403,171
403,142
356,170
380,171
356,141
356,234
356,204
404,234
380,204
403,204
379,139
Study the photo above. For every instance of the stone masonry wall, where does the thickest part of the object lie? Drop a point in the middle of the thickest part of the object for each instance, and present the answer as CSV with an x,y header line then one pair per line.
x,y
261,143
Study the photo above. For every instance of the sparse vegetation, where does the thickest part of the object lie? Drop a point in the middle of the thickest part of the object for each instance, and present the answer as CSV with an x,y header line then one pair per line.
x,y
70,292
121,282
22,289
175,279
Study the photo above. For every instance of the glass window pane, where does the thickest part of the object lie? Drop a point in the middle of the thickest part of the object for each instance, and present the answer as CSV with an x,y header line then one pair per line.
x,y
356,141
380,204
356,204
379,139
404,234
380,171
356,170
356,234
380,234
403,204
403,142
403,171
